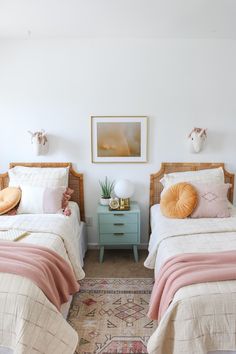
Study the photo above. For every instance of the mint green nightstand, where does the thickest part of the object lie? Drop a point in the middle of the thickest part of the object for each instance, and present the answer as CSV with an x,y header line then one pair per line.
x,y
119,228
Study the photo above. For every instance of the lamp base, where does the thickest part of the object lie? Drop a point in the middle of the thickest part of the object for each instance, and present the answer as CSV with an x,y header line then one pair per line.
x,y
124,204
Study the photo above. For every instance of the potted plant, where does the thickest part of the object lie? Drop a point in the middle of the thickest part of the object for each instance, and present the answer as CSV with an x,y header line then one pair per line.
x,y
107,188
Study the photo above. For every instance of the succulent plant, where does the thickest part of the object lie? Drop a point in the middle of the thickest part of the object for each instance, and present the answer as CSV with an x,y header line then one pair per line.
x,y
107,188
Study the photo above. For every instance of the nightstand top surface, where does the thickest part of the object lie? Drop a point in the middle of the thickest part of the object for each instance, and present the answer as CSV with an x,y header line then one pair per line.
x,y
134,207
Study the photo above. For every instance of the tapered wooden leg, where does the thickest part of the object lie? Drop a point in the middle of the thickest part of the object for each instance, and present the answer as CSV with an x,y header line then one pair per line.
x,y
135,250
101,254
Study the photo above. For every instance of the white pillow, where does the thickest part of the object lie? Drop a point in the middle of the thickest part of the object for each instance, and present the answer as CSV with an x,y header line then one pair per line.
x,y
212,175
40,200
38,177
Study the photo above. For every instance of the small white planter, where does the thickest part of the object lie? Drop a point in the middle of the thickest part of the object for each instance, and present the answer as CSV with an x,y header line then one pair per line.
x,y
104,201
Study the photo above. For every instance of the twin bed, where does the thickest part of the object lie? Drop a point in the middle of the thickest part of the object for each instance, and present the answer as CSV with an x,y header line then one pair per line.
x,y
29,322
201,318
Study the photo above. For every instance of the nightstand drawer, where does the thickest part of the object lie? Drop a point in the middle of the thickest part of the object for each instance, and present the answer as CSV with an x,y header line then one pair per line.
x,y
118,218
118,227
118,238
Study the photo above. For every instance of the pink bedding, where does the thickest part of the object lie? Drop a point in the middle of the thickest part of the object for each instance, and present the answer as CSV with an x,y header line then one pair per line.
x,y
49,271
188,269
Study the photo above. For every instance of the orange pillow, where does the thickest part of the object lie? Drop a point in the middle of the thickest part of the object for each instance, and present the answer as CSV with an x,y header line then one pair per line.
x,y
179,201
9,198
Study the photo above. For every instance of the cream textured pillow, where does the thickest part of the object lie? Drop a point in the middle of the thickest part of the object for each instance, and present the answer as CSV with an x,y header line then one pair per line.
x,y
179,201
41,200
9,198
212,201
212,175
38,177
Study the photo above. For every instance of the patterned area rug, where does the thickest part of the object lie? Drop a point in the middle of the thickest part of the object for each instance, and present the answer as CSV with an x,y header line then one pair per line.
x,y
110,315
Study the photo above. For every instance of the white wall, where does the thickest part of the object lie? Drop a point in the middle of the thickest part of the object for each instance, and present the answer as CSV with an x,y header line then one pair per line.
x,y
58,84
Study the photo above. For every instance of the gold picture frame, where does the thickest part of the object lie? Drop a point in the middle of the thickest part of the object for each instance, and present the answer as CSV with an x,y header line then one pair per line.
x,y
119,139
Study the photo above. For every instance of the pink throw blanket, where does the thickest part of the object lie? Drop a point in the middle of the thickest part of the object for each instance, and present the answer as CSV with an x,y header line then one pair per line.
x,y
49,271
188,269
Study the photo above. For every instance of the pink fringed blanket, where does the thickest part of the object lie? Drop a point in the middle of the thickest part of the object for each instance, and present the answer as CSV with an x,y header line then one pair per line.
x,y
188,269
49,271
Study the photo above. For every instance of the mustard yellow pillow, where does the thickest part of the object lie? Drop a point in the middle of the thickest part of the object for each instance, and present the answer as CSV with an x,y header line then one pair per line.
x,y
179,201
9,198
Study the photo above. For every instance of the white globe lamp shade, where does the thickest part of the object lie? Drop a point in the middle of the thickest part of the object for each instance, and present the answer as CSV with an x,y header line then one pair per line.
x,y
124,189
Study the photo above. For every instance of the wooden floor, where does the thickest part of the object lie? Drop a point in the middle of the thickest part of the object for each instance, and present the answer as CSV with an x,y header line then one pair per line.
x,y
117,264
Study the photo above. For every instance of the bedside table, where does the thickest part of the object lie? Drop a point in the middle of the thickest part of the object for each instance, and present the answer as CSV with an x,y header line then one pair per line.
x,y
118,227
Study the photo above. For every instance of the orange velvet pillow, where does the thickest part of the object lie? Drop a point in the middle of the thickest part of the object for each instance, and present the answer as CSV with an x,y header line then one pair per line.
x,y
9,198
179,201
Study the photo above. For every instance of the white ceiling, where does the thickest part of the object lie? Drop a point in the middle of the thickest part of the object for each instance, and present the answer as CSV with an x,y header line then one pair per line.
x,y
118,18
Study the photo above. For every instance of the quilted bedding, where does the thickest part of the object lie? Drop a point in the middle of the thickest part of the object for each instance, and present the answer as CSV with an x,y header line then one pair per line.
x,y
201,317
29,322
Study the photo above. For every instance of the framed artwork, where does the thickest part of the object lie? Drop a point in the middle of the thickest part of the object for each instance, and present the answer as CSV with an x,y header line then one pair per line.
x,y
119,138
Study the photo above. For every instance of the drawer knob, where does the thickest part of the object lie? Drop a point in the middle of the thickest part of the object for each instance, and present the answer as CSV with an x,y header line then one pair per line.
x,y
118,234
118,224
118,214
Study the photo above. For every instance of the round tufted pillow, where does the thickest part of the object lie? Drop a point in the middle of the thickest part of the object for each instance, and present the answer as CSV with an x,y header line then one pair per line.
x,y
9,198
179,201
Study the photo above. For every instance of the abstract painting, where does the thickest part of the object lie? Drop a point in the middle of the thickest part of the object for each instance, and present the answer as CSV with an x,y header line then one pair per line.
x,y
119,139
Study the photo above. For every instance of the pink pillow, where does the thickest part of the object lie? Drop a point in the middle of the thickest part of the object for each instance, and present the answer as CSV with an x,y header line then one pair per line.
x,y
52,200
212,200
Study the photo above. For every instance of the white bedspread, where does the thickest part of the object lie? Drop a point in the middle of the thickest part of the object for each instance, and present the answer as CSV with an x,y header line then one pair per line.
x,y
201,317
29,322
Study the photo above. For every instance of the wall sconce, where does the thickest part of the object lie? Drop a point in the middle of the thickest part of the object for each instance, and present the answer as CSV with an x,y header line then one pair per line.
x,y
39,141
197,138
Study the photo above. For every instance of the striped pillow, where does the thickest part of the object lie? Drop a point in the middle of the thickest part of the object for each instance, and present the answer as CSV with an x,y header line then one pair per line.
x,y
41,200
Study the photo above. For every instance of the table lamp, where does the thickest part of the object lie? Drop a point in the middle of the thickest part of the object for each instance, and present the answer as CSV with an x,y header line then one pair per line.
x,y
124,189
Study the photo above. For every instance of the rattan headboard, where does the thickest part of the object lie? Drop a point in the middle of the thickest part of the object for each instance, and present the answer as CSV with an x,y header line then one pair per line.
x,y
75,180
168,167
